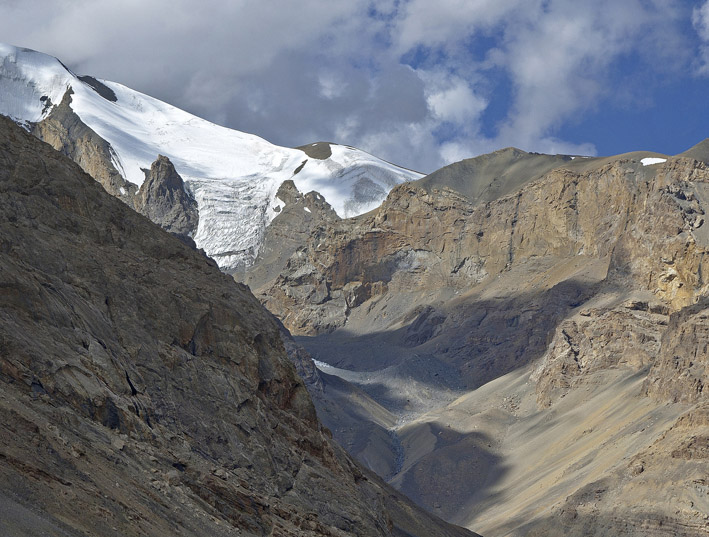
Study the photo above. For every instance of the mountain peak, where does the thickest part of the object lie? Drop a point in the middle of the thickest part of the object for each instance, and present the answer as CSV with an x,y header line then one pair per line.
x,y
490,176
29,82
232,175
144,392
698,152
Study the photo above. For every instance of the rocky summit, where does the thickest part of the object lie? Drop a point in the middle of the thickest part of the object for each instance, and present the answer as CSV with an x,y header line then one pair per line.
x,y
519,342
143,392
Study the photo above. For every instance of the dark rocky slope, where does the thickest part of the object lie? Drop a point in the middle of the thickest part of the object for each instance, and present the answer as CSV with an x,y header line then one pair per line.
x,y
142,392
162,197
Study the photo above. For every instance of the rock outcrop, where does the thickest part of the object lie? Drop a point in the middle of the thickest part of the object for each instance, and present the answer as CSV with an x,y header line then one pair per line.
x,y
627,336
299,217
681,371
143,392
65,132
423,238
163,199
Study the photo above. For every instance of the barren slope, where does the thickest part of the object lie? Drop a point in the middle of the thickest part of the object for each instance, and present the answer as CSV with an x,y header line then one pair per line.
x,y
536,324
143,392
115,133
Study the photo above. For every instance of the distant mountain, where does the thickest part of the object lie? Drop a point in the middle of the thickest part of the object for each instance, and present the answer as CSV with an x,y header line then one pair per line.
x,y
116,133
521,340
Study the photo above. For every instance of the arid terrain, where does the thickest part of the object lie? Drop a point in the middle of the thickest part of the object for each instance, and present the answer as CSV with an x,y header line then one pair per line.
x,y
146,393
516,344
523,338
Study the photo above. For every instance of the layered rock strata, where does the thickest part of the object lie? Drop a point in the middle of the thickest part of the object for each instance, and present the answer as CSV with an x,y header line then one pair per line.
x,y
143,392
430,239
563,301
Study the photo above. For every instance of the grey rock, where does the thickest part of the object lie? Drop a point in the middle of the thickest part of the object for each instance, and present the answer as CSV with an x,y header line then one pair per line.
x,y
132,370
65,132
164,199
301,216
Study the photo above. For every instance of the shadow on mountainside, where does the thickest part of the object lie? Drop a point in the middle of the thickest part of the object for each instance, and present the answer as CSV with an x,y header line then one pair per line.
x,y
474,340
478,341
461,470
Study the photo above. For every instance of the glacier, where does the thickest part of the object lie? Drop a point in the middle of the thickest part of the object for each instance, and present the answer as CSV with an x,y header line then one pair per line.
x,y
233,176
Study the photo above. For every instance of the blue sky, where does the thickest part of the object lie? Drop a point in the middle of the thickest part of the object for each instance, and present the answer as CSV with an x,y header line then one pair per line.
x,y
417,82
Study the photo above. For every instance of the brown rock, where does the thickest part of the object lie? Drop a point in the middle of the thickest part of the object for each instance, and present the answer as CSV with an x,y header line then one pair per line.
x,y
593,270
682,367
112,332
65,132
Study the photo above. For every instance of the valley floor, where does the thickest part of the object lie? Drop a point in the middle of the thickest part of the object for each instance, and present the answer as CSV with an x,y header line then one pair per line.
x,y
507,458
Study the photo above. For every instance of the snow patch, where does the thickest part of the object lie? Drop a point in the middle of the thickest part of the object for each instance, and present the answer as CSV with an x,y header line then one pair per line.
x,y
28,82
307,210
123,191
277,205
233,176
649,161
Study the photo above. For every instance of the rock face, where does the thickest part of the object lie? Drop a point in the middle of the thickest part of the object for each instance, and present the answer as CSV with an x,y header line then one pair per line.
x,y
562,302
143,392
163,199
627,336
299,216
435,239
681,372
65,132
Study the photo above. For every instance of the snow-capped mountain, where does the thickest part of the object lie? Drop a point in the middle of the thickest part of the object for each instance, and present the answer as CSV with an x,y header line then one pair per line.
x,y
232,175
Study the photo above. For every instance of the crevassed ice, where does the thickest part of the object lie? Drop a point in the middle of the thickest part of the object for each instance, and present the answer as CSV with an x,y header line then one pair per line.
x,y
234,176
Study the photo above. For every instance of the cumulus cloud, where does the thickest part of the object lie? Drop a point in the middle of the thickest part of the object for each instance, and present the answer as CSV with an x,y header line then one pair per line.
x,y
700,20
449,22
417,82
561,64
558,56
456,103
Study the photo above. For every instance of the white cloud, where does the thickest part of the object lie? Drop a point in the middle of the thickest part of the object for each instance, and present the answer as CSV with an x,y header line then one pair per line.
x,y
317,70
559,56
700,20
331,85
456,103
447,22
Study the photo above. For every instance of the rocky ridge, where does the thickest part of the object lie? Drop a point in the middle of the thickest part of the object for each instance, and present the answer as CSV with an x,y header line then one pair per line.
x,y
541,293
68,134
143,392
438,239
163,199
298,217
